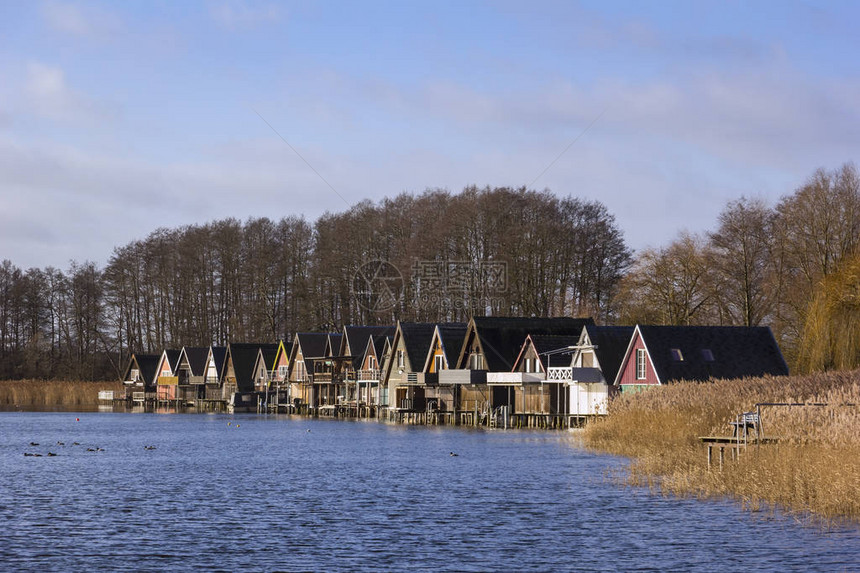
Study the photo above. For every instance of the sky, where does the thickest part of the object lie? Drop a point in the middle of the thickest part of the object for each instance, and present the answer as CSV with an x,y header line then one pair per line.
x,y
120,118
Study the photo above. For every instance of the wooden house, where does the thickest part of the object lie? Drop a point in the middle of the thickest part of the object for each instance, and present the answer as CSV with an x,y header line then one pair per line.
x,y
264,367
168,381
662,354
239,389
351,355
214,373
442,354
190,371
529,391
369,370
595,362
307,355
492,344
141,377
404,375
386,357
279,374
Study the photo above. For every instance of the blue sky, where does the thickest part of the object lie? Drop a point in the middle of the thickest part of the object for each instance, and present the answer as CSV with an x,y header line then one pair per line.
x,y
118,118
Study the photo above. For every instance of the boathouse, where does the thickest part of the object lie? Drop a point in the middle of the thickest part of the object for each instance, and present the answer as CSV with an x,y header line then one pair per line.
x,y
662,354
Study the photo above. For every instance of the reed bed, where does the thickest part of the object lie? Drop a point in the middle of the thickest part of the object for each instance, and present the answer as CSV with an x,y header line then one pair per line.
x,y
52,393
813,469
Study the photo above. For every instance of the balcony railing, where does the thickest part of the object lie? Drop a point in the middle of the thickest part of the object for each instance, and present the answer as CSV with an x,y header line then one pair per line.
x,y
368,374
559,373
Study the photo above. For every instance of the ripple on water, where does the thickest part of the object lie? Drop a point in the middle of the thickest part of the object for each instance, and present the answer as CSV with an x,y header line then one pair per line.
x,y
358,496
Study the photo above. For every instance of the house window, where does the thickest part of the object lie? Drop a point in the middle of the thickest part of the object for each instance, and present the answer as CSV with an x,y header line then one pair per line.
x,y
641,364
587,359
528,365
134,374
401,361
301,374
707,355
477,361
677,356
438,362
165,372
371,363
282,371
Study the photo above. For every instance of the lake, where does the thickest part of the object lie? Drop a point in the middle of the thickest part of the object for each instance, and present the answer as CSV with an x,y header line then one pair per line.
x,y
265,493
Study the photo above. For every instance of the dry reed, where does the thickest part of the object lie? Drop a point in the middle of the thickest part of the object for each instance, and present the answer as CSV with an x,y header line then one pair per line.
x,y
52,393
814,467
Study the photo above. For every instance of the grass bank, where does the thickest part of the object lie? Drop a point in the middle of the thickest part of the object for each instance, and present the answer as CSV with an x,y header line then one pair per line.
x,y
814,468
52,393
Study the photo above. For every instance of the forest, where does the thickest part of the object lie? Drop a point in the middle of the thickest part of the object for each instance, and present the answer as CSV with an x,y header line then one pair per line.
x,y
792,266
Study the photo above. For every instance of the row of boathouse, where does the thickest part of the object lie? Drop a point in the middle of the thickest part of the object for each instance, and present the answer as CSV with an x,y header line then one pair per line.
x,y
495,371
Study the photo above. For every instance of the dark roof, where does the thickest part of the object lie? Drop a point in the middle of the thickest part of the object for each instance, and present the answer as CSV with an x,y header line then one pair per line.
x,y
219,354
244,357
549,342
196,357
417,338
502,338
452,335
357,337
312,343
173,358
611,344
147,364
269,352
333,346
738,351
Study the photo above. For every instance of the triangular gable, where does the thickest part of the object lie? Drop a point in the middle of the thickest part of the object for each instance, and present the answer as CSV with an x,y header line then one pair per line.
x,y
147,367
449,337
168,363
625,363
472,340
193,358
370,352
214,366
435,347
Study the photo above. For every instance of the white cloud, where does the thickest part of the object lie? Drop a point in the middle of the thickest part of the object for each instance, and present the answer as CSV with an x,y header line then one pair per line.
x,y
243,15
45,93
84,20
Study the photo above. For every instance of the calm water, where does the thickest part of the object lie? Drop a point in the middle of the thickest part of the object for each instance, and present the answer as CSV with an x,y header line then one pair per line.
x,y
279,493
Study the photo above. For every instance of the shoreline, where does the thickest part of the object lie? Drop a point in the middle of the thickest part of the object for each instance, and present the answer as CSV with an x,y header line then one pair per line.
x,y
811,466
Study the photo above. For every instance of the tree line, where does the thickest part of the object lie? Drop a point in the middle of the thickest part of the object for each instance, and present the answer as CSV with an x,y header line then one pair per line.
x,y
792,266
441,256
262,280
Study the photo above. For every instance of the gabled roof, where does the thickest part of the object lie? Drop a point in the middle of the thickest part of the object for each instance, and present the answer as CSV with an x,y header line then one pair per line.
x,y
219,357
546,343
501,338
244,358
356,338
282,349
148,366
737,352
332,346
269,352
450,336
312,344
417,337
172,358
610,344
196,357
